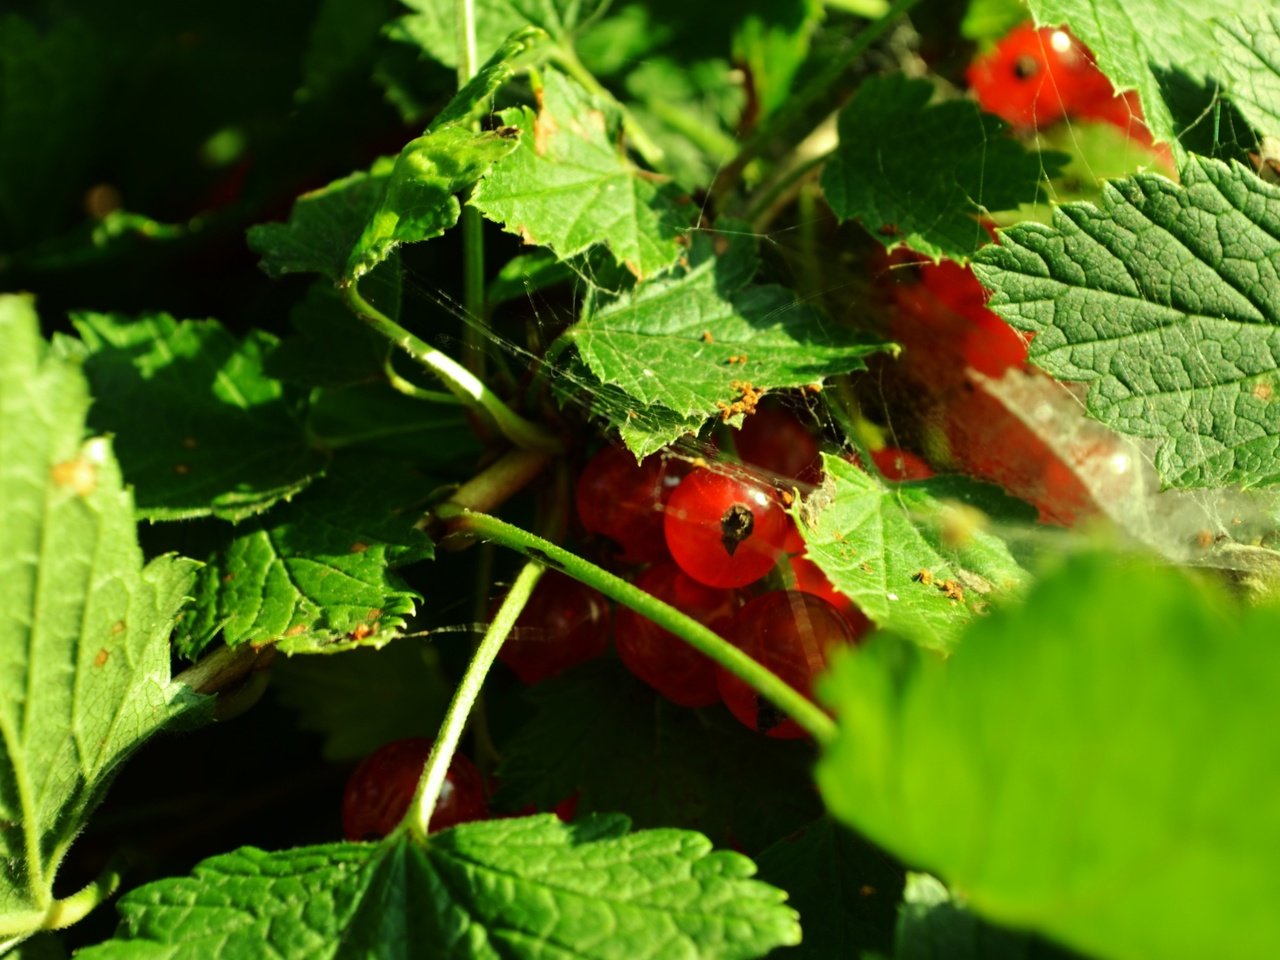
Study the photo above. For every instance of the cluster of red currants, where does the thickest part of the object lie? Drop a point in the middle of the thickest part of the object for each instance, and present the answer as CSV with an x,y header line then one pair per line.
x,y
703,538
1034,78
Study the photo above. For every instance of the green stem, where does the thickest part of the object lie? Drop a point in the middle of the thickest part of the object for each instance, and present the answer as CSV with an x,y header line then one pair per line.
x,y
460,381
645,145
418,818
61,913
807,714
819,96
411,389
472,224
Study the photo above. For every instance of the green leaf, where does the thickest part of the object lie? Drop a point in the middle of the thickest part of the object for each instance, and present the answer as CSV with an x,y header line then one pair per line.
x,y
381,422
1149,46
874,540
919,174
332,346
526,274
772,40
501,889
932,925
324,225
199,427
365,698
1095,152
420,201
691,110
1251,67
667,765
846,890
314,575
569,185
689,342
84,626
1166,300
1106,747
432,25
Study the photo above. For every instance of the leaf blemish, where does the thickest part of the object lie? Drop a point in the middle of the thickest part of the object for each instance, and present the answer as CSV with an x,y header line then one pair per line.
x,y
80,475
102,657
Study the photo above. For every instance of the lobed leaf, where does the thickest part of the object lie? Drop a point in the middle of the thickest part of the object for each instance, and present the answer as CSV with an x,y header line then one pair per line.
x,y
499,889
199,427
84,625
1165,299
433,25
1251,67
324,225
314,575
1088,765
570,186
917,173
1151,46
697,342
913,557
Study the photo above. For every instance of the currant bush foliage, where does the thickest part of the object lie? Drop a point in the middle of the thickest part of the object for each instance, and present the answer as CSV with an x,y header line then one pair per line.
x,y
530,887
84,624
1165,299
1090,720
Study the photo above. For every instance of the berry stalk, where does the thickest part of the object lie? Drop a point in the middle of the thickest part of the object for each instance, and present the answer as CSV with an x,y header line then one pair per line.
x,y
464,698
805,713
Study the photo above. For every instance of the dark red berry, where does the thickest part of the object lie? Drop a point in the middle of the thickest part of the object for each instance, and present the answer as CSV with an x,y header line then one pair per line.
x,y
778,443
811,579
381,788
622,500
792,633
660,658
723,529
564,623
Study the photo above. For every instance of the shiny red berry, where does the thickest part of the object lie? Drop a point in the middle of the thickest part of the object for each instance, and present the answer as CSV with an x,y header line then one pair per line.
x,y
723,529
811,579
381,788
1033,78
622,500
563,624
779,444
792,633
661,659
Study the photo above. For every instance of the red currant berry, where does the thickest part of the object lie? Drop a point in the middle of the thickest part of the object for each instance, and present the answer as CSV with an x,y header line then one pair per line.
x,y
792,633
1033,78
779,444
724,530
811,579
661,659
622,500
564,623
381,788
